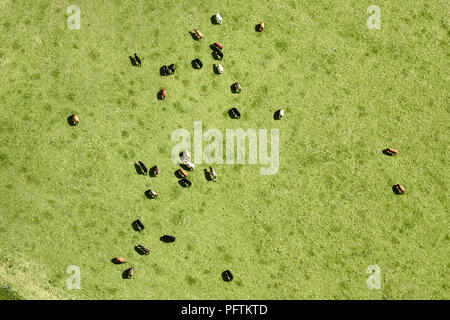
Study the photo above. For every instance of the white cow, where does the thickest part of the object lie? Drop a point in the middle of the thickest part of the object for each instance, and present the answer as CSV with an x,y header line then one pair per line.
x,y
219,68
219,18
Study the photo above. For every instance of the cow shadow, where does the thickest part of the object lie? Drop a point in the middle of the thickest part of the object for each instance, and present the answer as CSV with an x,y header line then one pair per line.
x,y
194,36
396,190
133,62
387,153
70,121
207,175
276,115
185,167
214,20
162,72
159,95
258,28
232,113
125,274
138,169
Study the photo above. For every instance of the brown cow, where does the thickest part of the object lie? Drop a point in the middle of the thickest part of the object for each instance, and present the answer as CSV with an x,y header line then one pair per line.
x,y
218,45
261,26
119,260
164,93
183,172
400,188
198,33
392,151
75,119
130,273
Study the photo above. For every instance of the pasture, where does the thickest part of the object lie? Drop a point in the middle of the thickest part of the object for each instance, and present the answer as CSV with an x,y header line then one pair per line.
x,y
69,194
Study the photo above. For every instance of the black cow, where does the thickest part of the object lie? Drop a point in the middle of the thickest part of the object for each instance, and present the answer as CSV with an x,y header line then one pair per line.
x,y
185,182
139,224
227,275
137,59
234,113
172,68
219,53
143,249
199,63
143,167
166,238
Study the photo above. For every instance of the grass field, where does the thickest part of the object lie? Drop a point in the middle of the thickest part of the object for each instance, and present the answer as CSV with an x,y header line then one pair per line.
x,y
70,193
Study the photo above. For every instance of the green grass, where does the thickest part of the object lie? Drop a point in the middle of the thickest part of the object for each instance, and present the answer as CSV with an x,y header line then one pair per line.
x,y
69,194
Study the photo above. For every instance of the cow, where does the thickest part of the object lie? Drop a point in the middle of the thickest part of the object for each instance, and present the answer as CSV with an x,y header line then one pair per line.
x,y
154,171
163,93
172,68
400,188
143,167
152,194
261,26
391,152
227,275
137,59
185,182
183,172
212,173
119,260
199,34
198,63
130,273
143,249
185,156
280,114
166,70
219,53
219,68
139,224
189,165
218,45
237,87
75,119
167,238
219,18
234,113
